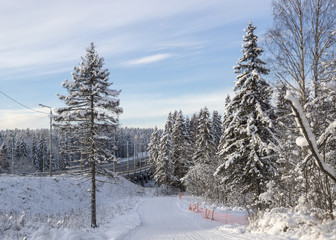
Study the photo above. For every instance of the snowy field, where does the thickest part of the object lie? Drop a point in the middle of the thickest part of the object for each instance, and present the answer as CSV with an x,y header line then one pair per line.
x,y
58,208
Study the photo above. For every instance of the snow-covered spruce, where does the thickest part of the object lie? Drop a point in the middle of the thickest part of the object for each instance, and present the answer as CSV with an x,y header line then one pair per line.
x,y
91,107
181,149
164,171
216,124
248,145
153,150
199,180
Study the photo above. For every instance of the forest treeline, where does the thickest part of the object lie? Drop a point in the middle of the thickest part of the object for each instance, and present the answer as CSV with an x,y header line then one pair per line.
x,y
262,154
30,148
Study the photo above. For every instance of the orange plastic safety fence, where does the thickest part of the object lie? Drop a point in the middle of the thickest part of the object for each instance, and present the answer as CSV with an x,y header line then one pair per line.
x,y
224,218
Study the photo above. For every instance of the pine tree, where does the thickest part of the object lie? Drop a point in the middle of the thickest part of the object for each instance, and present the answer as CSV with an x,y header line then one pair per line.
x,y
34,153
33,147
18,152
63,152
23,148
62,162
180,148
205,148
164,172
227,117
193,129
249,150
92,106
216,124
188,143
4,165
153,150
170,122
187,126
41,160
199,180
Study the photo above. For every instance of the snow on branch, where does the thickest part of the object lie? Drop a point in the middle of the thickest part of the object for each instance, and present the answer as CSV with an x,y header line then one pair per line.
x,y
309,136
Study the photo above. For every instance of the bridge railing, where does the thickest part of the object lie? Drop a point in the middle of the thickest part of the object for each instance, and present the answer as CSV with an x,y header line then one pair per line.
x,y
127,167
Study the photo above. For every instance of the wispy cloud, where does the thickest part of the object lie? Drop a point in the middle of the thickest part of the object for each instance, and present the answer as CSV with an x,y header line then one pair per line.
x,y
44,32
157,107
23,119
42,40
148,59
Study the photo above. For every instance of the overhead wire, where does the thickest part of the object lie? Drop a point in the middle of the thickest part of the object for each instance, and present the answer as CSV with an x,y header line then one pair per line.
x,y
21,103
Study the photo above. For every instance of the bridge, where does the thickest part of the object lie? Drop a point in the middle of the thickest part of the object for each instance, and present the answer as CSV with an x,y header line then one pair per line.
x,y
135,169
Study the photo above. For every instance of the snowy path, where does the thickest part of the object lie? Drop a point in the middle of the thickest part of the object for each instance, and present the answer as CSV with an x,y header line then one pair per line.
x,y
164,218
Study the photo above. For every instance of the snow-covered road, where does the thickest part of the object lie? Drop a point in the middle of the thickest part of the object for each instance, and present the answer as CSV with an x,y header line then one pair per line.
x,y
162,218
169,218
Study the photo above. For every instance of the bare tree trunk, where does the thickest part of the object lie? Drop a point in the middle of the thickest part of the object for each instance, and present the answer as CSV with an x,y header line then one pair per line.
x,y
93,195
306,132
287,43
302,57
329,198
93,170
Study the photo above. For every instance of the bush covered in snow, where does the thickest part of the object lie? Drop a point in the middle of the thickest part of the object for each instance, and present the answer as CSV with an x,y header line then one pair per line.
x,y
296,223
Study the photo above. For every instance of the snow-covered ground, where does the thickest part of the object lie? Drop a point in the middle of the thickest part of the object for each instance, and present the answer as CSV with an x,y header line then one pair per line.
x,y
58,208
168,217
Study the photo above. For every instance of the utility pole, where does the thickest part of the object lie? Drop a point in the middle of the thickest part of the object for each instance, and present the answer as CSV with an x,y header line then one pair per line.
x,y
50,140
13,154
127,159
140,157
134,167
114,149
146,156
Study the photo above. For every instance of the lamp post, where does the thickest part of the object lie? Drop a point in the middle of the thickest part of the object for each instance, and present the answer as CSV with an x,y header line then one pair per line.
x,y
50,139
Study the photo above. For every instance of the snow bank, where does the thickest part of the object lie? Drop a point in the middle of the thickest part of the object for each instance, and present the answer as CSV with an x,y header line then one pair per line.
x,y
226,231
119,227
297,225
59,207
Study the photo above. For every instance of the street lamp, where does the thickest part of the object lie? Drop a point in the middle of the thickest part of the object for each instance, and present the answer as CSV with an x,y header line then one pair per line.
x,y
50,139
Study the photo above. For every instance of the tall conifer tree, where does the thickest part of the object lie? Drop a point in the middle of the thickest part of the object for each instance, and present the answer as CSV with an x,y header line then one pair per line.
x,y
249,150
92,107
153,149
164,172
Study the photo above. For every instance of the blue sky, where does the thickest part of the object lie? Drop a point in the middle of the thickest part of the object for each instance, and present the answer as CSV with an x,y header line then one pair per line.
x,y
163,55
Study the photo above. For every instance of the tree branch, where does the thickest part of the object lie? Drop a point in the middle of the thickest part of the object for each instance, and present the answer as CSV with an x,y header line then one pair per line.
x,y
309,136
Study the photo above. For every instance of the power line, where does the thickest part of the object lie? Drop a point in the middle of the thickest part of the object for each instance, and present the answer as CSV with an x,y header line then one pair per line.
x,y
22,104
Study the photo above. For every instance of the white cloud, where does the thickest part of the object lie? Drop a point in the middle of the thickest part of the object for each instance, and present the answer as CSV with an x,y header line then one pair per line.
x,y
39,32
139,110
49,37
44,32
142,108
22,119
148,59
